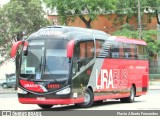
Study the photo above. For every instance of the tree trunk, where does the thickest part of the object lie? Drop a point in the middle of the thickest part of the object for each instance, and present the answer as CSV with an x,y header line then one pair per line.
x,y
87,23
158,20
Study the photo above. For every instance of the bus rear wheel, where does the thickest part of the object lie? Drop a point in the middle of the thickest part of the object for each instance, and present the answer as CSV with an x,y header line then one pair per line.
x,y
88,99
129,99
45,106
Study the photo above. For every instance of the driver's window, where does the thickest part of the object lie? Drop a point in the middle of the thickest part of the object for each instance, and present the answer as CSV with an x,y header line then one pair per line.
x,y
83,54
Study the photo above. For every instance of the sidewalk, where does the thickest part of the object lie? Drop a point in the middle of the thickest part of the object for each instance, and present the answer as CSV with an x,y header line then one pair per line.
x,y
7,90
154,85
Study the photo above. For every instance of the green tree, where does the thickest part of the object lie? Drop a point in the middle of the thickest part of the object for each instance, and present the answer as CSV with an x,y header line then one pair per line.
x,y
3,27
23,16
130,7
81,8
17,17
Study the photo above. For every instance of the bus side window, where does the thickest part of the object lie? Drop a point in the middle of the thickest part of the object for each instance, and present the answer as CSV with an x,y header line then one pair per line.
x,y
142,52
127,51
82,50
115,50
130,51
133,51
121,50
86,52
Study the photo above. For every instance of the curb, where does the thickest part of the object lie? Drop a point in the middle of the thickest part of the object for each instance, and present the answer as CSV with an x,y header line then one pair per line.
x,y
154,88
7,91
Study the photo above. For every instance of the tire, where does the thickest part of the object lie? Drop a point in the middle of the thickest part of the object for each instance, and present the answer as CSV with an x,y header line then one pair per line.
x,y
45,106
129,99
88,99
4,85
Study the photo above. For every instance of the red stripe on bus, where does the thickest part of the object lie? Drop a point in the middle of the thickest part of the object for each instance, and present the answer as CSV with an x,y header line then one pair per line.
x,y
30,85
50,101
113,96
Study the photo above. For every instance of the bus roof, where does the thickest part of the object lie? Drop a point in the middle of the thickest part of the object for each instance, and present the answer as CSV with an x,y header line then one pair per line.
x,y
62,30
127,40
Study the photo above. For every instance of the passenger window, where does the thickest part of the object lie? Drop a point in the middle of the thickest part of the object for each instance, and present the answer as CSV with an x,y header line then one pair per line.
x,y
117,50
133,51
130,51
142,52
121,50
111,49
127,52
86,49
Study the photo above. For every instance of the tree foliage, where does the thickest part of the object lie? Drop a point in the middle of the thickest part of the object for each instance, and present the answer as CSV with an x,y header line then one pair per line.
x,y
80,8
131,6
24,16
92,8
17,17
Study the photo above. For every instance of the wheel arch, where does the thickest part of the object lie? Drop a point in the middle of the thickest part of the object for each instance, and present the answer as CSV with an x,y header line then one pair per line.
x,y
90,87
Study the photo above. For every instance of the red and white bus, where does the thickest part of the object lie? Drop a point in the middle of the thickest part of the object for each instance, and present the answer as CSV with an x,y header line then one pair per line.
x,y
61,65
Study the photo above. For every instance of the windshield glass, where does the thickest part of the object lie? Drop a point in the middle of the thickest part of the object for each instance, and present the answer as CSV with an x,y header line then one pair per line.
x,y
46,60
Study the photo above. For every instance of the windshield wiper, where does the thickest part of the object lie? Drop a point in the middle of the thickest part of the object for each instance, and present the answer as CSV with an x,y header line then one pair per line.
x,y
43,61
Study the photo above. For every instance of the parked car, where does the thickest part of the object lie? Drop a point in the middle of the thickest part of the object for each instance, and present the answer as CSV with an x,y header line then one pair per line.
x,y
10,82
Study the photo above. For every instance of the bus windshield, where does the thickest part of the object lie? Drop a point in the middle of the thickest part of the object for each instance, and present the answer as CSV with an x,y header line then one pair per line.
x,y
45,60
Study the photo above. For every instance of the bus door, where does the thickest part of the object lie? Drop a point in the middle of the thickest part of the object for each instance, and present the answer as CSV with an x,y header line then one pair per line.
x,y
83,57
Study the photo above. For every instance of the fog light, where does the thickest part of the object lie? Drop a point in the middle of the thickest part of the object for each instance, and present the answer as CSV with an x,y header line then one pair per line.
x,y
64,91
21,91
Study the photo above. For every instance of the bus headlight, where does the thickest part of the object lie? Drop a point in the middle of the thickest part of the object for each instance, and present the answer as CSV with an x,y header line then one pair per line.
x,y
64,91
21,91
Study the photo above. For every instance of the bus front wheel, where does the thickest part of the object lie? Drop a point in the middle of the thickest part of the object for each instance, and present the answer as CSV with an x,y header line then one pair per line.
x,y
88,99
45,106
131,97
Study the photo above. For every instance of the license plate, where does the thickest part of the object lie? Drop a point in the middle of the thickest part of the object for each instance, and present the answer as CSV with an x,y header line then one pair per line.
x,y
41,98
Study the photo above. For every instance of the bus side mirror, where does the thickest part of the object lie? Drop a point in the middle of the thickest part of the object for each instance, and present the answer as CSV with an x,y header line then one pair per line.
x,y
70,49
14,48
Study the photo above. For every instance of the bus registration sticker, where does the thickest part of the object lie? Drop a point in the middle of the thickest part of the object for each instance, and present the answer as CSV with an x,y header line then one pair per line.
x,y
38,76
30,70
41,98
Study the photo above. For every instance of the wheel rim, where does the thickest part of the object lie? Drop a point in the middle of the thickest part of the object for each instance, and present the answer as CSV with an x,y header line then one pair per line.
x,y
132,94
87,98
